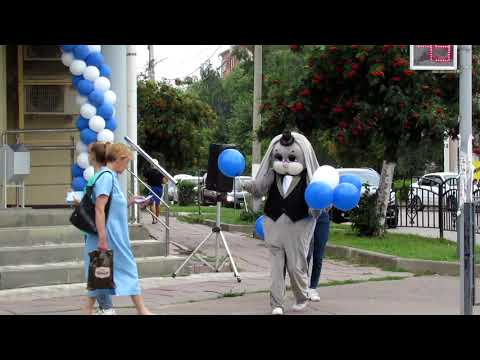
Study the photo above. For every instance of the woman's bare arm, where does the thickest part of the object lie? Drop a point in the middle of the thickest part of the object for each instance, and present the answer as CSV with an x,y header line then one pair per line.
x,y
100,204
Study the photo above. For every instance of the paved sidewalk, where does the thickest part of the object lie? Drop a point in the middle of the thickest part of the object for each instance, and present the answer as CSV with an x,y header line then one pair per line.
x,y
196,296
219,293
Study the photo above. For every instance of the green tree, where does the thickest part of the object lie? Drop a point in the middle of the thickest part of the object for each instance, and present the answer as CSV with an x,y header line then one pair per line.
x,y
174,126
368,100
210,89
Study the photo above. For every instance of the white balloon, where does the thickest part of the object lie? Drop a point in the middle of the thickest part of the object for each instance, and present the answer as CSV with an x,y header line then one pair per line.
x,y
105,135
327,174
91,73
88,111
81,147
110,97
95,48
88,173
102,84
77,67
82,160
67,58
80,100
96,123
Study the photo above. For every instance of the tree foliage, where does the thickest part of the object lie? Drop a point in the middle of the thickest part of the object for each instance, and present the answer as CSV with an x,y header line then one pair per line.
x,y
174,125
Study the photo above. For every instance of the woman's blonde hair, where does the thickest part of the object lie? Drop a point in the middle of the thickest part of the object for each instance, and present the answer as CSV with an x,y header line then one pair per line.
x,y
118,151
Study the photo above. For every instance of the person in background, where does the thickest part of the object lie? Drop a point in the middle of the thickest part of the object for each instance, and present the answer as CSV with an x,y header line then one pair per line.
x,y
155,180
316,253
114,233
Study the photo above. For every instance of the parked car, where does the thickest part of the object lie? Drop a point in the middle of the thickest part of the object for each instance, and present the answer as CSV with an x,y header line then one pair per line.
x,y
173,190
371,178
425,192
208,197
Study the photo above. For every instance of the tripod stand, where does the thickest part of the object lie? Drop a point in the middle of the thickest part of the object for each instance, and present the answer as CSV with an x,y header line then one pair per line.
x,y
217,231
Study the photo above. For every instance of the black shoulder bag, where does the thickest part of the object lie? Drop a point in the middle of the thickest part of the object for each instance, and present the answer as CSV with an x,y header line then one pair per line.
x,y
83,217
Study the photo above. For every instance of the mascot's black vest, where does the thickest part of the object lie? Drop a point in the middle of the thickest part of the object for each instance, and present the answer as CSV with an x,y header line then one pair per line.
x,y
294,205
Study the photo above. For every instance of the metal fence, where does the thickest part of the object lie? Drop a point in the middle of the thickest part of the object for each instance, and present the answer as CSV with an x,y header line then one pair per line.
x,y
424,202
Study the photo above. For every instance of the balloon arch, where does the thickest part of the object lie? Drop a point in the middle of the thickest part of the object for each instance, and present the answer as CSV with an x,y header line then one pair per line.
x,y
91,79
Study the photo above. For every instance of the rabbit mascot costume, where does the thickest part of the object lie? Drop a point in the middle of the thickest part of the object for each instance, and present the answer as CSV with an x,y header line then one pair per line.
x,y
283,176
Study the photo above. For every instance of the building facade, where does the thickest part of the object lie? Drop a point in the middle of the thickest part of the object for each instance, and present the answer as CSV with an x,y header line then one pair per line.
x,y
37,98
230,61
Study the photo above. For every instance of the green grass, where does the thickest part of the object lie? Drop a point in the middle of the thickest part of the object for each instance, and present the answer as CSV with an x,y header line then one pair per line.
x,y
231,294
228,215
193,209
401,245
348,282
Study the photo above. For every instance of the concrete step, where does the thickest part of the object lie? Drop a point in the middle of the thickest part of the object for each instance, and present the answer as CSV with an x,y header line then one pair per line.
x,y
12,277
34,217
36,255
61,234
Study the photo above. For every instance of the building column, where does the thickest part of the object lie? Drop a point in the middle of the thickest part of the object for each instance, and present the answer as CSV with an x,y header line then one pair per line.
x,y
132,119
3,88
116,58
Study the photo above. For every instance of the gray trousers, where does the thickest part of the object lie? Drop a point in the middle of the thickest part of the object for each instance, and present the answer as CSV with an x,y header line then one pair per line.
x,y
288,243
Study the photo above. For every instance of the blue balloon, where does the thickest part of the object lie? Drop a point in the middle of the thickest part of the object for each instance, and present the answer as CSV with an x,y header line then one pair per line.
x,y
319,195
346,196
105,110
96,98
68,48
105,71
259,227
77,171
85,87
351,179
76,79
78,183
95,59
88,136
81,52
111,124
231,163
81,123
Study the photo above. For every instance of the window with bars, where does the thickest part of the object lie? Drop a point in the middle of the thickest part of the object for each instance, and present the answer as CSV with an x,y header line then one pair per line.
x,y
44,99
42,52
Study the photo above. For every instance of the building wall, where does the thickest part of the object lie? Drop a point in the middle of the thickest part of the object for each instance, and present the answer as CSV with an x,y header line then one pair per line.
x,y
50,176
229,63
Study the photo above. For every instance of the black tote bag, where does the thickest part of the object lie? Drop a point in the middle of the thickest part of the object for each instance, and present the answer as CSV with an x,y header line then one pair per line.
x,y
83,217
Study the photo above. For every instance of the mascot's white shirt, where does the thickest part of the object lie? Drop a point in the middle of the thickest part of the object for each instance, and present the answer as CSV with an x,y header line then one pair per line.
x,y
287,180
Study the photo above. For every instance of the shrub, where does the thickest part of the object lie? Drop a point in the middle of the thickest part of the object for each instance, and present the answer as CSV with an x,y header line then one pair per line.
x,y
402,187
364,217
250,216
186,194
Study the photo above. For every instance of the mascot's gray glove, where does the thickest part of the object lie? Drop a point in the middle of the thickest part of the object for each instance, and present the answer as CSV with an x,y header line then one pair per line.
x,y
259,187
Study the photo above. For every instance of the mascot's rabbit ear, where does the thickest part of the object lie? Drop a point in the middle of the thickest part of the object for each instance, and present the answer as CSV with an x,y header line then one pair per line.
x,y
287,138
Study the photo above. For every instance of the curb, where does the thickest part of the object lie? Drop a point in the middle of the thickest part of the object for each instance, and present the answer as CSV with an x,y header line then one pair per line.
x,y
365,257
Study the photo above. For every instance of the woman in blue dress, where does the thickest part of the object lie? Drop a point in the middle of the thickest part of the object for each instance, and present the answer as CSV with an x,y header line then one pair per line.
x,y
114,233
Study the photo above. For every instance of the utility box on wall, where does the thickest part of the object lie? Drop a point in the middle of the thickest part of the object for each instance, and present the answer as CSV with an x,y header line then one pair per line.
x,y
17,161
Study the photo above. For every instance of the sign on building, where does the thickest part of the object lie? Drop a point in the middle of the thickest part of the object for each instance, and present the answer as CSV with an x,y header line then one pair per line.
x,y
433,57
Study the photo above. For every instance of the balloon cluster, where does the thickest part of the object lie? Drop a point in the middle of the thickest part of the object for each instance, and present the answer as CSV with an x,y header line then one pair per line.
x,y
327,188
91,78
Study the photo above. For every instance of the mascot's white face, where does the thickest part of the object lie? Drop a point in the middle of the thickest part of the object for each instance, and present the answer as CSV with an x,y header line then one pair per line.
x,y
288,159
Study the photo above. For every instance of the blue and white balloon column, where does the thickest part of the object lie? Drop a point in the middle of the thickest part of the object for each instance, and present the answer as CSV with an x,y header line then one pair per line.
x,y
91,79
